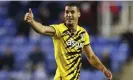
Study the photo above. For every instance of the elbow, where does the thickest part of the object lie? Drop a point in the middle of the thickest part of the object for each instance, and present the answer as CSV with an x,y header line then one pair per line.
x,y
41,31
38,31
91,59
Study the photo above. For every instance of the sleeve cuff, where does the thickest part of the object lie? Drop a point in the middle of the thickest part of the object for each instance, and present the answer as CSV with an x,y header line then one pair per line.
x,y
87,44
55,30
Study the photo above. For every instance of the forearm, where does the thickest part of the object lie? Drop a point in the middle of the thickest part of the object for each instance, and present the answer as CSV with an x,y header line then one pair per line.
x,y
38,27
97,63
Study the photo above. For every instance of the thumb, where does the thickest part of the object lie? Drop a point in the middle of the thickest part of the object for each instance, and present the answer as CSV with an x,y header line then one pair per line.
x,y
30,11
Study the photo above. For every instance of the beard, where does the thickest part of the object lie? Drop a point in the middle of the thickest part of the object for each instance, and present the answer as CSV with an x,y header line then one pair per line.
x,y
69,25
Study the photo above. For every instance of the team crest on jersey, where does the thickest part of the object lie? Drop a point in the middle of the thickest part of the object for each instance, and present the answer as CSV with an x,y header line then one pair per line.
x,y
82,37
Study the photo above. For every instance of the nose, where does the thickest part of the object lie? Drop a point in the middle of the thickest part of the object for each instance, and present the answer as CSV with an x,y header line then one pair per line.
x,y
69,14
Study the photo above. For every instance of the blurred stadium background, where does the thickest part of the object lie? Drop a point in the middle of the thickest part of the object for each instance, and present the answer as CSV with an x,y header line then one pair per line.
x,y
27,55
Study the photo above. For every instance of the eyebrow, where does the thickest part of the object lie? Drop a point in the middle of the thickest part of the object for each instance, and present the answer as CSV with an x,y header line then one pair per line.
x,y
70,11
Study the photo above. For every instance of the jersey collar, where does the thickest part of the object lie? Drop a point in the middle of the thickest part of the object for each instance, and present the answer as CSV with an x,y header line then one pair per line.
x,y
74,31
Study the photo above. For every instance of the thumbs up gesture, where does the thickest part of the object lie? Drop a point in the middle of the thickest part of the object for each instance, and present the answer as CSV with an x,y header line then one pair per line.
x,y
29,16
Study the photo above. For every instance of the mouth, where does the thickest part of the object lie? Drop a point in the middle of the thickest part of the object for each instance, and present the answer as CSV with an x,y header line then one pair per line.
x,y
70,19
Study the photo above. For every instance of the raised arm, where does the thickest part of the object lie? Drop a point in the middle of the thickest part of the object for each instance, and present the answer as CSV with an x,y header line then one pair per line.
x,y
93,59
38,27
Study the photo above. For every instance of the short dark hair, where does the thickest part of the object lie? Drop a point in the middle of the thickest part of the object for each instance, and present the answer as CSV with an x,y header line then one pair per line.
x,y
72,3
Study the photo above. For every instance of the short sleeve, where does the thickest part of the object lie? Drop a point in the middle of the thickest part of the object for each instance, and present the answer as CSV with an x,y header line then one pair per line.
x,y
87,39
57,31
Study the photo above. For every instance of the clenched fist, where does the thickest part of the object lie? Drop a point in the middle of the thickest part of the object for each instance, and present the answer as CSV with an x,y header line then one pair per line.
x,y
29,16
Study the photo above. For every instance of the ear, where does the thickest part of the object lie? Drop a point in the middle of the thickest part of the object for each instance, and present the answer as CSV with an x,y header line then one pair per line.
x,y
79,14
63,14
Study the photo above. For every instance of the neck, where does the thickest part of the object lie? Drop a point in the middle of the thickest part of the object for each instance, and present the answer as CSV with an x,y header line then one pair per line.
x,y
72,26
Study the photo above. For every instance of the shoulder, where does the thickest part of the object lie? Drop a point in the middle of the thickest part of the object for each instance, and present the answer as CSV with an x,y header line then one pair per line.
x,y
57,27
60,27
83,31
82,28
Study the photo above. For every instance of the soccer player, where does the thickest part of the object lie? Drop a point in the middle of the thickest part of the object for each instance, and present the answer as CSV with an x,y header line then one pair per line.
x,y
70,40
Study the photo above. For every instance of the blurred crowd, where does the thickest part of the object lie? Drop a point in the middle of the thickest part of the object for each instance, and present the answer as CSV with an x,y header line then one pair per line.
x,y
27,55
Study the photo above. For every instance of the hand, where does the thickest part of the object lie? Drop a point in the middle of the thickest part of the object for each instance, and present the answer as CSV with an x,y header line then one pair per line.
x,y
29,16
108,74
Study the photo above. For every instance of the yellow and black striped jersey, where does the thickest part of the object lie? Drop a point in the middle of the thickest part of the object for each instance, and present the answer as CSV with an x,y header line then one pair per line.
x,y
68,48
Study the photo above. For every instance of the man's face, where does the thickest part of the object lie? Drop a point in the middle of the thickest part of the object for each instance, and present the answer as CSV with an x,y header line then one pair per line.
x,y
71,14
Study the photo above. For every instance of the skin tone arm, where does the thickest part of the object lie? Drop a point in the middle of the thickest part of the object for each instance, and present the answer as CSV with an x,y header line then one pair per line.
x,y
38,27
93,59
